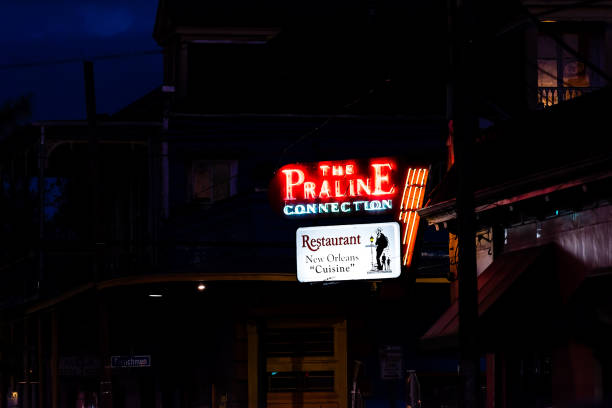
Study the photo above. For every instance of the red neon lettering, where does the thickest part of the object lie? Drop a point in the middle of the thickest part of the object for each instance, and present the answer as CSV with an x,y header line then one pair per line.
x,y
379,178
338,189
352,188
289,182
309,190
341,180
324,189
363,186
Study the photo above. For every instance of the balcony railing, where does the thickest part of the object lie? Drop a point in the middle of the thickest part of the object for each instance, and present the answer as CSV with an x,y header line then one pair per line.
x,y
548,96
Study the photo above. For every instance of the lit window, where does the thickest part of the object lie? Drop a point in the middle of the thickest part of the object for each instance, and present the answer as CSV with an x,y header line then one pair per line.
x,y
561,74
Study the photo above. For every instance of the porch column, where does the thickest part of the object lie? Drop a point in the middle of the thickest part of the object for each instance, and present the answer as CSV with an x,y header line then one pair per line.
x,y
54,360
106,390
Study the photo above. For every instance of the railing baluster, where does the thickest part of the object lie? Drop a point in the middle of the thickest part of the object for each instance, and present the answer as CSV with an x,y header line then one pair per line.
x,y
550,95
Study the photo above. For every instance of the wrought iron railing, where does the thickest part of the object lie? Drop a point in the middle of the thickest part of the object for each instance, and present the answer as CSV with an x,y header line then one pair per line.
x,y
548,96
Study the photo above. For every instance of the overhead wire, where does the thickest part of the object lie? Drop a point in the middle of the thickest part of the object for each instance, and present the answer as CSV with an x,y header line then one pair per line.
x,y
534,18
306,135
310,133
528,17
525,19
566,7
79,59
326,121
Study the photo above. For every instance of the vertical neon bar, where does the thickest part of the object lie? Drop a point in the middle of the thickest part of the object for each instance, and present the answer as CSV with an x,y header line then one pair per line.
x,y
410,190
405,188
410,203
406,228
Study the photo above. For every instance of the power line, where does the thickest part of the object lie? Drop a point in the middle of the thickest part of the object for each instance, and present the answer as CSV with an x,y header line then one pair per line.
x,y
534,18
579,56
80,59
527,18
301,139
546,73
567,7
346,107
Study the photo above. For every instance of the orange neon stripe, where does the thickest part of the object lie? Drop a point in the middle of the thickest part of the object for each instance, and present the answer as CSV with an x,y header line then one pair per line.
x,y
416,182
410,241
411,235
404,226
410,191
422,182
413,174
405,188
412,180
407,197
407,252
406,230
423,179
416,205
419,202
412,201
420,199
415,202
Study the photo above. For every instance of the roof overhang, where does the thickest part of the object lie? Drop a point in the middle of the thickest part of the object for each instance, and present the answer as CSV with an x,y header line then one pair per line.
x,y
497,196
493,284
227,35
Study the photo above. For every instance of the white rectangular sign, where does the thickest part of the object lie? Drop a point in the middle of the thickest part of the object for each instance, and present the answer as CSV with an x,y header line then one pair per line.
x,y
348,252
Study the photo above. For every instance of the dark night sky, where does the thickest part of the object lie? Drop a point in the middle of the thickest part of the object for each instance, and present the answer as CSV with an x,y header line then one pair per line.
x,y
43,30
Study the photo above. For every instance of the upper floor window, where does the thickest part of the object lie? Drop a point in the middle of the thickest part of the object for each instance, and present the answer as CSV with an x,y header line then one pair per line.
x,y
563,75
214,180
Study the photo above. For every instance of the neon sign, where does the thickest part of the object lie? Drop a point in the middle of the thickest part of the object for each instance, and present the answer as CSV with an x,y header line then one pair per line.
x,y
354,187
347,186
412,200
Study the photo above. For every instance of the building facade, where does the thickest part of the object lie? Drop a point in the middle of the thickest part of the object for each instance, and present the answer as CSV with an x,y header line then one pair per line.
x,y
148,262
542,222
155,269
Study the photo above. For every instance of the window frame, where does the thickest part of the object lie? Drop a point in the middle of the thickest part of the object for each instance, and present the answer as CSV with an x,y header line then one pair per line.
x,y
232,180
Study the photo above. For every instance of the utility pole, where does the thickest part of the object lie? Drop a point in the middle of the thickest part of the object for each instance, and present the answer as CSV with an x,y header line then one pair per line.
x,y
106,396
41,211
464,82
90,104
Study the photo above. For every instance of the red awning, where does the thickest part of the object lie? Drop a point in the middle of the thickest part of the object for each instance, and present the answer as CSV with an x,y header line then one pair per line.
x,y
493,282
